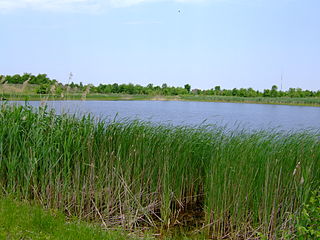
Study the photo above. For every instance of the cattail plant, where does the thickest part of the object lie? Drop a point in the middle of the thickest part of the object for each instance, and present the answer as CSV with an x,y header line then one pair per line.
x,y
226,184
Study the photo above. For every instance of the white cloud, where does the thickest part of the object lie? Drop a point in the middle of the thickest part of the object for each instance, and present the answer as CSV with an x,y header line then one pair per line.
x,y
75,5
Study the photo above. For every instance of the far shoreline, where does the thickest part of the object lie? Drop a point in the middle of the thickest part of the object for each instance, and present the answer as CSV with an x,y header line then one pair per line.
x,y
315,102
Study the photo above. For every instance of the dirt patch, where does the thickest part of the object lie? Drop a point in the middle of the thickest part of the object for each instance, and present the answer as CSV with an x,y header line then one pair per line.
x,y
162,98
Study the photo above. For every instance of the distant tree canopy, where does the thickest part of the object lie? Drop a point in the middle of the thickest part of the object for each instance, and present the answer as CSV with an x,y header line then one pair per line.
x,y
249,92
32,79
187,87
130,88
45,82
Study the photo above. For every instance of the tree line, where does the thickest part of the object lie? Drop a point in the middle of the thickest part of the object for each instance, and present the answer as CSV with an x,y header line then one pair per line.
x,y
45,82
27,77
150,89
249,92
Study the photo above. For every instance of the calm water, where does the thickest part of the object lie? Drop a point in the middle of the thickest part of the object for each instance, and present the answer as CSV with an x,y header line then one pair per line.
x,y
249,116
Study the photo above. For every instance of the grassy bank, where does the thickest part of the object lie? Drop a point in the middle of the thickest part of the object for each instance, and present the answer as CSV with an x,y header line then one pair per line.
x,y
310,101
89,97
234,185
23,221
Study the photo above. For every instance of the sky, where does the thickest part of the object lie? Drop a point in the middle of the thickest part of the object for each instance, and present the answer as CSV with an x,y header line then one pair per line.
x,y
205,43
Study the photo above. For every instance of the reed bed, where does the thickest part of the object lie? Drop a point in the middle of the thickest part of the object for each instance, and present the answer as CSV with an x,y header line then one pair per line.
x,y
226,184
309,101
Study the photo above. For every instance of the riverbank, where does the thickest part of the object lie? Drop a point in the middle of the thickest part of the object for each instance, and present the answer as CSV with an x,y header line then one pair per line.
x,y
134,175
311,101
22,220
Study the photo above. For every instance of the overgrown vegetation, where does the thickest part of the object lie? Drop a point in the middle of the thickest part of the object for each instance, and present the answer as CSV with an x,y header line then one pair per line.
x,y
308,101
308,225
134,174
45,84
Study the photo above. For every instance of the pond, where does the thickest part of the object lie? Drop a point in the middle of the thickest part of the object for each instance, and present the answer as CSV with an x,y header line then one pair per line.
x,y
231,115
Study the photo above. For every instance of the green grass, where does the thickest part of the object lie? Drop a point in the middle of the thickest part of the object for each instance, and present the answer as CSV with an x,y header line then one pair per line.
x,y
307,101
78,96
23,221
17,96
137,175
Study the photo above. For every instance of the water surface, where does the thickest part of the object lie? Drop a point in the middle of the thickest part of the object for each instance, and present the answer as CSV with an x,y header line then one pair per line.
x,y
249,116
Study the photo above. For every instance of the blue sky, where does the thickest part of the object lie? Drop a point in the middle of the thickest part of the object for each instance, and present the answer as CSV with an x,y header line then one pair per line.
x,y
231,43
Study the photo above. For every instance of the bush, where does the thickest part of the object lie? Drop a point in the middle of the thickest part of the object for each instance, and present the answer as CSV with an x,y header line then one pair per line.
x,y
308,226
43,89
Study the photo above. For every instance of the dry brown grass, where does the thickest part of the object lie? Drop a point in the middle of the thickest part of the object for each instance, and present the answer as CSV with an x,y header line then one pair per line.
x,y
85,93
8,88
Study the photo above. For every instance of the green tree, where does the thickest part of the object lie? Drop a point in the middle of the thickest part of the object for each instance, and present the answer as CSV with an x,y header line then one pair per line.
x,y
217,90
115,88
235,92
292,92
43,89
187,87
274,91
266,93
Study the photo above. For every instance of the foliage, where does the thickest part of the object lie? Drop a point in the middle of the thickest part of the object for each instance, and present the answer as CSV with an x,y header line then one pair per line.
x,y
32,79
187,87
308,226
217,91
138,89
132,173
43,89
164,89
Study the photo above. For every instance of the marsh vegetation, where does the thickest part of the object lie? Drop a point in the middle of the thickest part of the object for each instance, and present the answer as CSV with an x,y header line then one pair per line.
x,y
137,175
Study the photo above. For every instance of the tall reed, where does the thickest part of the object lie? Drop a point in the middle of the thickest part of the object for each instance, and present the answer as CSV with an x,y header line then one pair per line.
x,y
312,101
133,173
